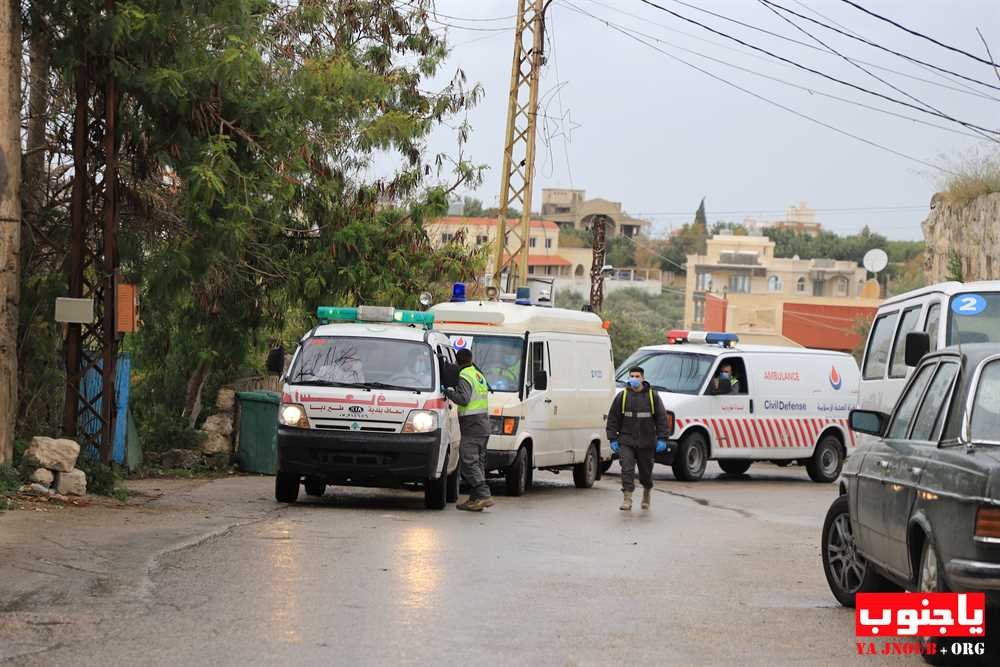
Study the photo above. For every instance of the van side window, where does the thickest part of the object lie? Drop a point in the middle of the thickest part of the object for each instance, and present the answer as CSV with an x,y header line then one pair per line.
x,y
537,360
909,323
933,324
877,354
908,405
737,383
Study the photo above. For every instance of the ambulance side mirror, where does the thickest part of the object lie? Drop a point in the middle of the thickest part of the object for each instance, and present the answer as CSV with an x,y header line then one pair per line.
x,y
541,381
276,361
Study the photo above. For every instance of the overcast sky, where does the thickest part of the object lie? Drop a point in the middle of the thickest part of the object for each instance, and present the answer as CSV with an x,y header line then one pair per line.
x,y
630,124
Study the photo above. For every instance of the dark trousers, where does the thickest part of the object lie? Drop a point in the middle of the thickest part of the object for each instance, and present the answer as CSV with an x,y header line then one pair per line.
x,y
628,457
472,463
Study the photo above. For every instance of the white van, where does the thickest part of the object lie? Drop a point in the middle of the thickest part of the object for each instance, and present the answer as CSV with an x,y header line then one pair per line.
x,y
362,405
792,404
949,313
551,378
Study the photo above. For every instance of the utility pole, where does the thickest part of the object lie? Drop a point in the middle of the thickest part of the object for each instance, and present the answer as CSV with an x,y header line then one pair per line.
x,y
519,148
598,229
10,218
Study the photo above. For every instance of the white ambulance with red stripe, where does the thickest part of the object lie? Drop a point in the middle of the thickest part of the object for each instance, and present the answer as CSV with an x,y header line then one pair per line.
x,y
786,405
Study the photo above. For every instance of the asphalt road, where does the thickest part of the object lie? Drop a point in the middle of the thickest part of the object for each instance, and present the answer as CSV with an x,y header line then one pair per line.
x,y
725,571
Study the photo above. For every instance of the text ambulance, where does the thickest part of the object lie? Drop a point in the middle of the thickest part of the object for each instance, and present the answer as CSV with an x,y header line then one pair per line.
x,y
551,377
781,404
362,405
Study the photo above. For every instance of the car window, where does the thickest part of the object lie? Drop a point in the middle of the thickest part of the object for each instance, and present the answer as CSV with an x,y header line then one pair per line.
x,y
985,426
933,324
877,355
908,405
974,318
898,367
931,412
536,360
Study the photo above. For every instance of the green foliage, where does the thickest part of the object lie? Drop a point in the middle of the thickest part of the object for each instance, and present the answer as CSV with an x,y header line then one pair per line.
x,y
620,252
575,238
955,268
101,479
973,174
10,481
473,208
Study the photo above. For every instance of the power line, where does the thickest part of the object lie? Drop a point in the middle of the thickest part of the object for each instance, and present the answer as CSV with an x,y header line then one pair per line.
x,y
434,12
768,4
766,99
807,89
818,72
877,46
921,35
562,111
851,209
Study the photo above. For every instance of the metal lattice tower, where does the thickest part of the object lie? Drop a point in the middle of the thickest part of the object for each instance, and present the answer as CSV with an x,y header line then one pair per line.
x,y
519,147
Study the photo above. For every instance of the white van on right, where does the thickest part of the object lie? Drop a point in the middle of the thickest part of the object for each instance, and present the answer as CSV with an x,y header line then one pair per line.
x,y
949,313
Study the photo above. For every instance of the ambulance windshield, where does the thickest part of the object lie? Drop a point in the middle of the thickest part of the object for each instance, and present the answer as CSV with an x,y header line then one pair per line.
x,y
498,357
677,372
368,363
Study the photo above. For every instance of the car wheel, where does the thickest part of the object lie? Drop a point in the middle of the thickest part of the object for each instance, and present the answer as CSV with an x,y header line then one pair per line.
x,y
436,490
517,474
315,487
452,491
585,473
734,466
691,458
286,487
847,572
826,461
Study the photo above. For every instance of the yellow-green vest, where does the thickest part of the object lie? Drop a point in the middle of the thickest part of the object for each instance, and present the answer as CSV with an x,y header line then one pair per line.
x,y
479,403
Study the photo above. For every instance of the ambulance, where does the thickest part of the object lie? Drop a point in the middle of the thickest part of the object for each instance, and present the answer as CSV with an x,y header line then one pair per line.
x,y
362,405
787,405
551,378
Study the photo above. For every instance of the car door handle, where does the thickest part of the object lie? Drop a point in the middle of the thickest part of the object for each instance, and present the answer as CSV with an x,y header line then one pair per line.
x,y
916,471
548,400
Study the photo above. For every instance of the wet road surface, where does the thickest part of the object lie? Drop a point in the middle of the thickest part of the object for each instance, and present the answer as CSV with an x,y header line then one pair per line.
x,y
723,571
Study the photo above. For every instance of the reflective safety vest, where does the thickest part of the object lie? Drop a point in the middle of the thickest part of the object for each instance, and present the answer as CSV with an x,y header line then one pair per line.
x,y
639,415
479,403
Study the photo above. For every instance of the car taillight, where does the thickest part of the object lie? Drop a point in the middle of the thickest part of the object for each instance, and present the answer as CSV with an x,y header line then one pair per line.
x,y
988,522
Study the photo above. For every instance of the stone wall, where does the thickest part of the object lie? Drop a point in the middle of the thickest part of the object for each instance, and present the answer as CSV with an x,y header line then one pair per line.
x,y
971,231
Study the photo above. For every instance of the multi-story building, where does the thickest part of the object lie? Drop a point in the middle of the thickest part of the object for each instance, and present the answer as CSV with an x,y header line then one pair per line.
x,y
799,219
743,271
571,209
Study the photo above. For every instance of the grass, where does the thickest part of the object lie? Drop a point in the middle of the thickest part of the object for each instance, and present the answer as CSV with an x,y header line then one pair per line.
x,y
10,481
974,174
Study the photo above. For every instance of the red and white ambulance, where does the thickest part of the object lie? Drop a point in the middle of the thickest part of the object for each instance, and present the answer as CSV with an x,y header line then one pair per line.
x,y
782,404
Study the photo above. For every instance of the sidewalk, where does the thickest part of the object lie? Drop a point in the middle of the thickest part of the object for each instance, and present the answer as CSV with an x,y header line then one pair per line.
x,y
63,569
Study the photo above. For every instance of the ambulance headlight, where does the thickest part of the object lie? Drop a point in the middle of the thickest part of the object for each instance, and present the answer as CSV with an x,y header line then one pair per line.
x,y
421,421
293,414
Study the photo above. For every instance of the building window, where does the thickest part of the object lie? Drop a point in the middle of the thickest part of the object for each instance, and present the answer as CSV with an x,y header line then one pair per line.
x,y
739,284
447,238
800,285
840,286
774,284
531,270
704,282
699,313
531,242
482,239
548,243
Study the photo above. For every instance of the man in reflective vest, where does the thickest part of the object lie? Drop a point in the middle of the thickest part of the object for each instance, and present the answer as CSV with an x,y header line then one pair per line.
x,y
637,424
472,398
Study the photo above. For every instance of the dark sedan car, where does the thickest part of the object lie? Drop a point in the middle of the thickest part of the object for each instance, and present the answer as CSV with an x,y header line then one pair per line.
x,y
920,501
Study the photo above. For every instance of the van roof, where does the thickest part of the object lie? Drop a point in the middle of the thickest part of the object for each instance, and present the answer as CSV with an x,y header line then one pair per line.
x,y
372,330
516,319
948,289
715,350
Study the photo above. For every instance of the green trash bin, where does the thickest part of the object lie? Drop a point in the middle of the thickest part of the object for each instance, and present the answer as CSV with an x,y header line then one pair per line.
x,y
258,431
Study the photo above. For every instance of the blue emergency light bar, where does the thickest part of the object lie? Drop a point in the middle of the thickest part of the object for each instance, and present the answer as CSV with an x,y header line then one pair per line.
x,y
723,339
458,293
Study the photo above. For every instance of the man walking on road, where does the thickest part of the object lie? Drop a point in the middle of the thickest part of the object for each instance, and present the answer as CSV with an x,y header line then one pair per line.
x,y
472,398
637,424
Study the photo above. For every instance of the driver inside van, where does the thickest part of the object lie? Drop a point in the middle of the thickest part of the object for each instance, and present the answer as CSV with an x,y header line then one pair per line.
x,y
726,381
506,372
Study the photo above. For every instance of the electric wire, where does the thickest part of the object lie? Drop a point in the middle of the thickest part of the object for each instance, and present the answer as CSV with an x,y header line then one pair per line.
x,y
817,72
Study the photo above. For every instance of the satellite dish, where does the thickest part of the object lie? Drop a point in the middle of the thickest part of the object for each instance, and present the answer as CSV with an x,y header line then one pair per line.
x,y
875,260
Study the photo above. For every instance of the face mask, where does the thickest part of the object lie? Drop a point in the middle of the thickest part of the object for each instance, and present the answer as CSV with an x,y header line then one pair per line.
x,y
635,383
509,360
723,375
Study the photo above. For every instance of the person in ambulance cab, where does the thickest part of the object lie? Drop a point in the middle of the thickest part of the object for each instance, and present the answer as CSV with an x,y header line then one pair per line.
x,y
725,382
637,426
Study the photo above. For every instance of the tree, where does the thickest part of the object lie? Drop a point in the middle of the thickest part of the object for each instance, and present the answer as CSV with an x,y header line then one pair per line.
x,y
10,218
472,208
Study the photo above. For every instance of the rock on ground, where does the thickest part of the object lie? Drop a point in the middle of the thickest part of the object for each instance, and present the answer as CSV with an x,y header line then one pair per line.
x,y
180,458
42,476
226,400
72,483
55,454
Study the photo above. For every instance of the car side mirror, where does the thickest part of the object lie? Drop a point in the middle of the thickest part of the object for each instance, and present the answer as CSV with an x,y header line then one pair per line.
x,y
671,422
869,422
541,381
918,344
276,361
449,373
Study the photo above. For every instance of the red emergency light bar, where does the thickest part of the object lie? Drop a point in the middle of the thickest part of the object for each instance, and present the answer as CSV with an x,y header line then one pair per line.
x,y
678,336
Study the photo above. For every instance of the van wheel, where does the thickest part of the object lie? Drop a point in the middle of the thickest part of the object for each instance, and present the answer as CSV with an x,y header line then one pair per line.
x,y
517,474
734,466
585,473
452,491
826,461
691,458
286,487
847,572
315,487
436,490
